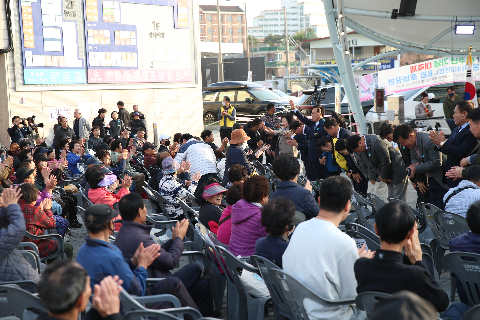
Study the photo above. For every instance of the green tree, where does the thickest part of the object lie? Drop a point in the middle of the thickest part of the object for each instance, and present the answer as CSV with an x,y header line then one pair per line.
x,y
253,41
273,40
303,35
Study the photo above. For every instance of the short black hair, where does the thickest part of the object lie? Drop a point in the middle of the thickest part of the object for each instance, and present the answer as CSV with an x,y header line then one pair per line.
x,y
205,134
62,143
352,143
255,188
108,139
340,145
111,114
465,106
94,175
23,155
141,129
61,284
335,193
236,125
100,154
95,128
474,115
234,193
474,174
227,98
199,191
322,142
72,144
424,94
177,137
14,118
330,123
451,88
120,103
473,217
237,173
277,215
294,125
286,167
95,228
29,192
186,136
385,128
270,105
129,205
394,220
256,122
115,144
288,117
24,143
402,131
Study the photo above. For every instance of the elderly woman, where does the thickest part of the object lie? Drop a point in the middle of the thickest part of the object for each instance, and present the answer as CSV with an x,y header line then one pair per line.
x,y
285,134
423,109
170,187
211,198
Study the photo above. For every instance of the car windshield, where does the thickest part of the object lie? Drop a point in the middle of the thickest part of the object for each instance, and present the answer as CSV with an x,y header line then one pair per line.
x,y
280,93
265,94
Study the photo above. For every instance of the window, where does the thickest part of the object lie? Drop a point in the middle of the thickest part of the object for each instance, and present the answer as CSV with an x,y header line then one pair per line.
x,y
239,30
240,39
230,94
209,17
229,18
242,95
209,30
209,96
229,30
278,56
356,50
221,18
239,18
201,17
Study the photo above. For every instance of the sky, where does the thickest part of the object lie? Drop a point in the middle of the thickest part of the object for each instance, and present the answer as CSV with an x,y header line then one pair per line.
x,y
254,7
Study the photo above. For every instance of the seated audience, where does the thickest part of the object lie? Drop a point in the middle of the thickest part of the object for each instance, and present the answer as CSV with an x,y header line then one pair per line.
x,y
277,218
99,182
388,271
75,156
150,151
101,258
328,269
211,198
287,169
246,217
115,157
13,266
6,170
119,167
459,199
404,305
65,290
96,139
134,231
232,196
156,170
171,187
38,218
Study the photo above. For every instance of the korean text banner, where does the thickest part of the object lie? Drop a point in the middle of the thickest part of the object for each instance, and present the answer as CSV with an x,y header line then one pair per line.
x,y
427,73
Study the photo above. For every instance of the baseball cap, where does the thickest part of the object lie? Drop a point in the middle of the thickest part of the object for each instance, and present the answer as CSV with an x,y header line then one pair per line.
x,y
100,213
43,150
102,146
164,136
41,157
22,174
212,189
136,113
93,160
148,145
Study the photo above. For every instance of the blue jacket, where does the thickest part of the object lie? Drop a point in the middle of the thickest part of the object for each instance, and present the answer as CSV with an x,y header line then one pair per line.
x,y
235,155
317,132
102,259
73,159
130,236
272,248
301,197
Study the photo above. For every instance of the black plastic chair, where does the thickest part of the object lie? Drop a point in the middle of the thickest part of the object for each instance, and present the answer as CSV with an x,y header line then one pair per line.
x,y
377,202
296,292
280,305
163,314
14,301
27,285
466,267
358,231
367,300
453,224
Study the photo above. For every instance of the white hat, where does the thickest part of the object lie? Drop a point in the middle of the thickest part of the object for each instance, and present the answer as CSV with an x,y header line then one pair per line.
x,y
164,136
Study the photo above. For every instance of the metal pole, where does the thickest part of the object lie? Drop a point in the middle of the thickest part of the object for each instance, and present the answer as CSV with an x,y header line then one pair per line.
x,y
220,57
248,40
287,73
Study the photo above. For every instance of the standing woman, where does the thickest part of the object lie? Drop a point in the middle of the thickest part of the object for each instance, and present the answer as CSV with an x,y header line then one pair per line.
x,y
285,134
226,116
423,109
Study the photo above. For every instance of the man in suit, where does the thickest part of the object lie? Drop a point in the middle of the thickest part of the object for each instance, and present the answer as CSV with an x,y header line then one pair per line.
x,y
301,132
461,143
426,162
317,132
379,159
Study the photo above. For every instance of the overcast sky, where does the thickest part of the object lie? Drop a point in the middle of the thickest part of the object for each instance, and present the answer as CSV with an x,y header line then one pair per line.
x,y
253,6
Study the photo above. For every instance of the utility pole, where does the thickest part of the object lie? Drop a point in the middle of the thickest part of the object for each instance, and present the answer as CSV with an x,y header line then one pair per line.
x,y
220,57
248,40
287,73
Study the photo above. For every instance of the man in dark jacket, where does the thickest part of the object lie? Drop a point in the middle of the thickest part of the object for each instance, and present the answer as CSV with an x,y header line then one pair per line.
x,y
137,123
388,271
287,168
18,131
116,126
301,133
123,114
63,132
99,121
134,231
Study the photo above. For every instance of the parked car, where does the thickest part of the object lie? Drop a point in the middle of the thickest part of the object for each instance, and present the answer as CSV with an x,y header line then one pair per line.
x,y
248,98
286,96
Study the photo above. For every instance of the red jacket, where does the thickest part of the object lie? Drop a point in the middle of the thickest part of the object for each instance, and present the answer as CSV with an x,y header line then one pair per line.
x,y
103,195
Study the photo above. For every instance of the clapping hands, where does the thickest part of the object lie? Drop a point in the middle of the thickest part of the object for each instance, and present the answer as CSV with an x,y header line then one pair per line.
x,y
10,196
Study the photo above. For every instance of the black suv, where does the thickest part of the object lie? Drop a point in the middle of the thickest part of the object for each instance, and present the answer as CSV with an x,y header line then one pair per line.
x,y
248,98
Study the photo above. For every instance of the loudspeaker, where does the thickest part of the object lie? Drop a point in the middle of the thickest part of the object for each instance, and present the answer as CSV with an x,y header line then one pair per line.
x,y
407,7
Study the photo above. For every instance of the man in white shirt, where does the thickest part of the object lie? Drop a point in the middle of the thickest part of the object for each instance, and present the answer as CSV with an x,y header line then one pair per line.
x,y
327,254
459,199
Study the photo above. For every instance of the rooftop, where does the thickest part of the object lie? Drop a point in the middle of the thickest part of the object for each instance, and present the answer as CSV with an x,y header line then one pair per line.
x,y
222,8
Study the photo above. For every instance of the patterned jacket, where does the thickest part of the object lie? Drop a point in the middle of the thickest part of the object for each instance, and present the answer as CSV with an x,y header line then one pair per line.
x,y
171,188
36,221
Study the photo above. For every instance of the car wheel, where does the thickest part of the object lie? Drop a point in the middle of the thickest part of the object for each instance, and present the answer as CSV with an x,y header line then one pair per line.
x,y
208,118
260,112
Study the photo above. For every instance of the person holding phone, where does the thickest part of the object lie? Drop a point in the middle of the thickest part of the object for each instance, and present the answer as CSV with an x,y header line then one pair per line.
x,y
226,116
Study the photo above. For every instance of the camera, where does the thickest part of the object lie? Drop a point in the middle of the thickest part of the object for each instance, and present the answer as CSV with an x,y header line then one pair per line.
x,y
31,121
409,172
318,95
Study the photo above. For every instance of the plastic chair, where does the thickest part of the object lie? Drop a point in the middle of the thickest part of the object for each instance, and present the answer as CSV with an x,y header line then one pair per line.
x,y
14,301
377,202
248,307
27,285
296,292
132,303
280,305
81,212
60,252
367,300
453,224
152,198
472,314
32,259
355,230
429,263
86,202
163,314
465,266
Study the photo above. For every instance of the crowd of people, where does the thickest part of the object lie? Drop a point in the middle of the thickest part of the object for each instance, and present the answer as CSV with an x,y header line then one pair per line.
x,y
294,227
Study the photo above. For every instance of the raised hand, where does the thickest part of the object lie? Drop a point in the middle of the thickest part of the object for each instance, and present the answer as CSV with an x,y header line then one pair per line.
x,y
362,253
126,182
47,204
8,161
292,105
146,256
10,196
46,173
106,298
293,143
63,154
50,183
196,176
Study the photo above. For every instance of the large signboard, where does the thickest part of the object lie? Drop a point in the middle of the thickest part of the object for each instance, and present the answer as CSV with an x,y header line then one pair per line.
x,y
428,73
74,42
385,64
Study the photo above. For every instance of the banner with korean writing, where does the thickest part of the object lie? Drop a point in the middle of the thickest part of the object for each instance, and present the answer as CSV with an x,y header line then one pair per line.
x,y
384,64
427,73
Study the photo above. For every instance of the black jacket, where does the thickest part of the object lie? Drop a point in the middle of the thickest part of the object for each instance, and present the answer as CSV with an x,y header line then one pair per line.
x,y
303,143
390,272
316,132
137,124
99,122
235,155
64,134
124,116
116,128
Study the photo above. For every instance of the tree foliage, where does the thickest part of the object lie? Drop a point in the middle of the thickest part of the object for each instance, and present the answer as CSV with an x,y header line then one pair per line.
x,y
303,35
273,40
253,41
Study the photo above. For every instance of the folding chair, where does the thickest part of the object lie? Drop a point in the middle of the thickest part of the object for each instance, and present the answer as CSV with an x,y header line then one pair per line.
x,y
453,224
377,202
472,314
296,292
152,198
27,285
81,212
280,306
32,258
163,314
86,202
465,266
14,301
249,307
367,300
358,231
131,303
60,252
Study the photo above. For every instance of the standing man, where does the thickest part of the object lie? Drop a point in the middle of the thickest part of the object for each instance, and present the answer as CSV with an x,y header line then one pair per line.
x,y
99,121
63,132
226,116
427,165
137,123
301,133
135,109
123,114
270,118
317,131
381,161
17,132
81,126
450,102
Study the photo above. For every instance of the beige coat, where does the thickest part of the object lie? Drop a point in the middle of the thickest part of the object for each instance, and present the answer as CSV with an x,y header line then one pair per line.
x,y
282,146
